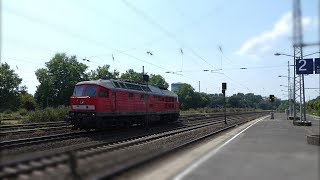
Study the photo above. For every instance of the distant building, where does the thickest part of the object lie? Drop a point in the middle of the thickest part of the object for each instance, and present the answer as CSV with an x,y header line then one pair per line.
x,y
176,86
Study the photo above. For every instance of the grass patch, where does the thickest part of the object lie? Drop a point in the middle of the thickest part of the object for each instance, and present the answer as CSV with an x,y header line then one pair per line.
x,y
313,112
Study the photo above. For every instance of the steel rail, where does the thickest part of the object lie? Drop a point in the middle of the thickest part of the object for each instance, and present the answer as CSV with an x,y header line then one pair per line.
x,y
21,131
33,140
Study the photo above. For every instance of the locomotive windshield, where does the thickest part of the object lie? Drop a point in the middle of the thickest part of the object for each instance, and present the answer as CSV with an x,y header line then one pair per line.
x,y
85,91
90,91
78,91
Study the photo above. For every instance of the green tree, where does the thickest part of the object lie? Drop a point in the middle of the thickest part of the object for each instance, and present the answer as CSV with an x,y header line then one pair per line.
x,y
216,100
188,98
131,75
9,88
234,101
313,106
27,101
58,79
204,99
283,106
158,80
185,94
103,72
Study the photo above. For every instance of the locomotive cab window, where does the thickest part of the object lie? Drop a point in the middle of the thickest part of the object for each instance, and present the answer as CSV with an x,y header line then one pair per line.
x,y
104,93
78,91
90,91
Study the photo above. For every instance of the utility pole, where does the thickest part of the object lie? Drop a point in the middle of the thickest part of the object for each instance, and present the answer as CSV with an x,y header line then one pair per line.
x,y
297,49
299,91
289,91
199,86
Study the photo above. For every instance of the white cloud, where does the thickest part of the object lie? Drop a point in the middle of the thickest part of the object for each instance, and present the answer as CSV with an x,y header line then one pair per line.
x,y
263,42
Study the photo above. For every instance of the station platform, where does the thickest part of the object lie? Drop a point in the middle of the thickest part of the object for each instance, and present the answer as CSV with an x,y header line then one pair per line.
x,y
269,149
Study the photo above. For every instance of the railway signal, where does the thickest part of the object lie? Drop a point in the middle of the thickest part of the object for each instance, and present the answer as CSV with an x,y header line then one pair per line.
x,y
271,98
224,88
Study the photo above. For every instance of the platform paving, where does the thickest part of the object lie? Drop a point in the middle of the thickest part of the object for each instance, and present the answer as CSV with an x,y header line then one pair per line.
x,y
270,149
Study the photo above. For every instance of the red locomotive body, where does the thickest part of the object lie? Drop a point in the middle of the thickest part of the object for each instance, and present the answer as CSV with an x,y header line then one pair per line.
x,y
104,103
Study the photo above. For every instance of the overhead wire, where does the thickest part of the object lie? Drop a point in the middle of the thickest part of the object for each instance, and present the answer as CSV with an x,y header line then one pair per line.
x,y
58,29
169,34
237,82
69,33
165,31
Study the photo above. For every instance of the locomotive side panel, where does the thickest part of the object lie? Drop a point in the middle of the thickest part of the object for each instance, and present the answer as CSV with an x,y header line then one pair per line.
x,y
140,104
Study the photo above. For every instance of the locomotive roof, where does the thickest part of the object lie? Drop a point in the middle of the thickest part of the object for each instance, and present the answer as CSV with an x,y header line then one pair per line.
x,y
128,86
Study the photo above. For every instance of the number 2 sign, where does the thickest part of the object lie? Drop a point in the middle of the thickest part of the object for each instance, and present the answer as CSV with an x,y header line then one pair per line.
x,y
304,66
317,65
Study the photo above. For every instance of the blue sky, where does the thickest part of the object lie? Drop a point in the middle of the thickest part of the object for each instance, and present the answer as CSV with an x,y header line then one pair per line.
x,y
248,32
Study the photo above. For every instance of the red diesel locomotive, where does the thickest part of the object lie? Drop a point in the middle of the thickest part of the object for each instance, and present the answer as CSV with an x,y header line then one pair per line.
x,y
103,103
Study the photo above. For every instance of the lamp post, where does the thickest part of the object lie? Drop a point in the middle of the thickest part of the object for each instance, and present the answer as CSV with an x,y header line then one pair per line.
x,y
289,91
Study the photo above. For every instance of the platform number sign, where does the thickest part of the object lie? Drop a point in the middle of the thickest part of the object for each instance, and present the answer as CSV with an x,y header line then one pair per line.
x,y
317,65
304,66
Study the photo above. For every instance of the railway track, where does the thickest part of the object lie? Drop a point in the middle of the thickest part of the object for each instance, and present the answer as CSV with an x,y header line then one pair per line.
x,y
46,127
7,128
8,132
85,152
42,139
32,130
9,144
73,164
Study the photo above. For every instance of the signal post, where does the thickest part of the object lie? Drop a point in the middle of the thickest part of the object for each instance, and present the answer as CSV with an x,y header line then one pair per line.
x,y
224,88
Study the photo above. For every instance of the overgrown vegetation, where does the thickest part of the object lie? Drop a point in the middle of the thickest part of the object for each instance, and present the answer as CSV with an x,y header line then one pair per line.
x,y
313,106
48,114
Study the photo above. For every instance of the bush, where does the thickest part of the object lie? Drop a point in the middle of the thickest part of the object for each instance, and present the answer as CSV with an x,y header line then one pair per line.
x,y
23,112
48,114
27,102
